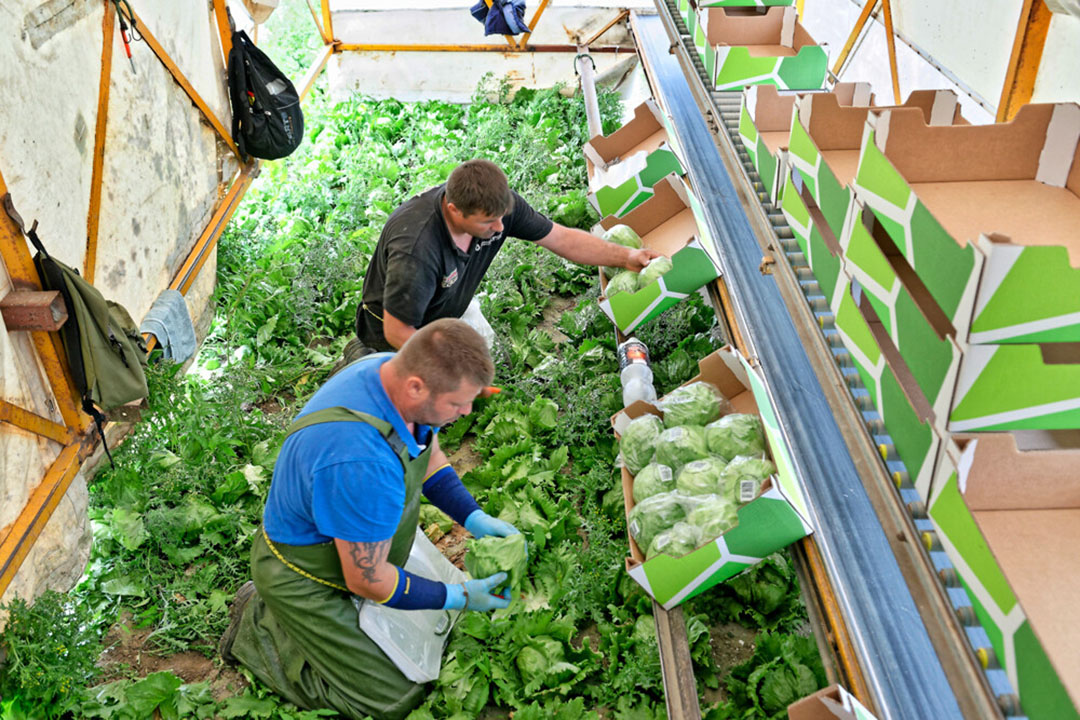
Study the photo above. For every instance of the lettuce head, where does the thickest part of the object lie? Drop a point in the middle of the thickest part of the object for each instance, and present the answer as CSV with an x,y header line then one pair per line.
x,y
698,403
681,539
714,517
625,281
653,515
700,477
736,434
742,477
656,268
638,442
680,445
653,480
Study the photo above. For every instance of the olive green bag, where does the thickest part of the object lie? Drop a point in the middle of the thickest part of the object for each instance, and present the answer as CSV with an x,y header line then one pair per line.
x,y
104,348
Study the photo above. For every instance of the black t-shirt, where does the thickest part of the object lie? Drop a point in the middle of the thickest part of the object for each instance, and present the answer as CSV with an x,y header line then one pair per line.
x,y
417,272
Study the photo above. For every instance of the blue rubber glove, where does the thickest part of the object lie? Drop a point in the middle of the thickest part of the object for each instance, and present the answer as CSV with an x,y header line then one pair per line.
x,y
476,594
480,524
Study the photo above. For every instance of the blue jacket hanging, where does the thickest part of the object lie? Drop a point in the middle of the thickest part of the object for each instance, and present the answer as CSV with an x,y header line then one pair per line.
x,y
504,17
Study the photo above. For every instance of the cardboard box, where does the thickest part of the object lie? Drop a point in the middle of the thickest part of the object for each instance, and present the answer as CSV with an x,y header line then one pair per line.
x,y
916,442
624,166
826,137
818,244
765,126
986,216
774,520
743,46
831,703
917,338
1006,508
670,222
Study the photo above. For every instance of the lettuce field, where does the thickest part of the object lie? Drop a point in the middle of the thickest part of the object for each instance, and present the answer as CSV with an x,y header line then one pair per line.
x,y
173,521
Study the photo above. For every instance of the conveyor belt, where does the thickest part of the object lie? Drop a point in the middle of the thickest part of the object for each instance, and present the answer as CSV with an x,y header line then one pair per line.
x,y
896,655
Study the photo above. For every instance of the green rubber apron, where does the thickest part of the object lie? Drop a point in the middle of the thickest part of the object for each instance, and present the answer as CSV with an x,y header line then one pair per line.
x,y
300,633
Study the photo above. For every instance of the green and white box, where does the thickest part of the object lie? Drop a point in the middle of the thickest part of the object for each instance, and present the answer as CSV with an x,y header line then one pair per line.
x,y
774,520
986,216
826,137
765,126
744,46
831,703
914,438
820,249
1006,509
624,166
670,222
915,341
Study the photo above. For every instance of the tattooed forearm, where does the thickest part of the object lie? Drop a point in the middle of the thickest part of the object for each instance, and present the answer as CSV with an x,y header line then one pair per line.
x,y
368,556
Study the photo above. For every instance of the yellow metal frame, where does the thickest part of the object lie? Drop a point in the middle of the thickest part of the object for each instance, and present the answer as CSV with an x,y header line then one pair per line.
x,y
1019,85
890,38
72,434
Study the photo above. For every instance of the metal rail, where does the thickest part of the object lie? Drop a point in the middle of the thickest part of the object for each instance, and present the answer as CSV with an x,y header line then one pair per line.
x,y
904,676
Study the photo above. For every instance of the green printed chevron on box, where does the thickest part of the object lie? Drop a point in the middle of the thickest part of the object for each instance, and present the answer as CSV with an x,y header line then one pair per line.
x,y
954,521
915,440
766,525
949,269
620,199
692,267
933,360
736,68
825,265
1027,295
748,3
832,198
748,133
1010,387
1041,692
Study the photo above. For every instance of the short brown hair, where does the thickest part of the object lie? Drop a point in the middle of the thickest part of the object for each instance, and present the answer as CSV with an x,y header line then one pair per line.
x,y
445,352
479,186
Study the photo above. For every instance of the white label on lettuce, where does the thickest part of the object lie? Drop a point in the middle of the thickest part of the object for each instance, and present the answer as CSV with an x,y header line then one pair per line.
x,y
666,475
747,490
635,528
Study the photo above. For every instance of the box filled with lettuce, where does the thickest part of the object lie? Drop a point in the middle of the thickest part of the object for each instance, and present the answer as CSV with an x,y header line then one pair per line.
x,y
707,481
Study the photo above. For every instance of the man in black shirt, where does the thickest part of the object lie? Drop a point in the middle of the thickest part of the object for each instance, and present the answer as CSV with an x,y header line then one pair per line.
x,y
436,247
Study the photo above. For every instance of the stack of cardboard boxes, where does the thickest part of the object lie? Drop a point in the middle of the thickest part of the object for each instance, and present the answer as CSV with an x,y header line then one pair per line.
x,y
949,255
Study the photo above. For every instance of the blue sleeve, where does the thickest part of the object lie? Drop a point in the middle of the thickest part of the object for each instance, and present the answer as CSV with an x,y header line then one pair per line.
x,y
358,501
445,491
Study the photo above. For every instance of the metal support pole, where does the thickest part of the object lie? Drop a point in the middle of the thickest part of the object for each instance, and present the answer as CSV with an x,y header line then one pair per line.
x,y
586,70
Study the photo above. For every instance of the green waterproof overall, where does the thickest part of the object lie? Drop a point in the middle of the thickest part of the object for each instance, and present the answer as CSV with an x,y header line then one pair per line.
x,y
300,634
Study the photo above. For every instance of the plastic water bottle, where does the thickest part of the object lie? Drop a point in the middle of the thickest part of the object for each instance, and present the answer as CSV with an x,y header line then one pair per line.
x,y
635,373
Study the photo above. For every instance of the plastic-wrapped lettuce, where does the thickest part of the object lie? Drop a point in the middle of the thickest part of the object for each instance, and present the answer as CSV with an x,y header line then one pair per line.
x,y
653,480
656,268
681,539
654,515
491,554
741,479
736,434
714,517
700,477
698,403
625,281
621,235
680,445
638,442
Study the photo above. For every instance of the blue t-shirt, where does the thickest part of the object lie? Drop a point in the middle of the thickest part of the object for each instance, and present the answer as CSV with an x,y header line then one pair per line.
x,y
342,479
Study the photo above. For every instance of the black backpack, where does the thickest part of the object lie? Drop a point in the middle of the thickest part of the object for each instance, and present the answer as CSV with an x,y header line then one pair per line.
x,y
267,121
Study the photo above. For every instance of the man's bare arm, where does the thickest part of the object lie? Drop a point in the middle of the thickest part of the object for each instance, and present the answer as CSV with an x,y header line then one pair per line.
x,y
367,573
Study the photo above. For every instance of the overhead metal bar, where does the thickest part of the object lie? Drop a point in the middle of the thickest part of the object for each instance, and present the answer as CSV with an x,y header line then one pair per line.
x,y
1031,30
524,41
614,21
895,653
374,47
853,36
890,41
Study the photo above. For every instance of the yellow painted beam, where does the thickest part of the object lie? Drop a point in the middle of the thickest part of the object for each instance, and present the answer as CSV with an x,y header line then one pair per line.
x,y
864,16
1031,29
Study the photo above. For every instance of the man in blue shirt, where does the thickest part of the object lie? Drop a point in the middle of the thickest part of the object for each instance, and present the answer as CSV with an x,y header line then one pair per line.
x,y
340,519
